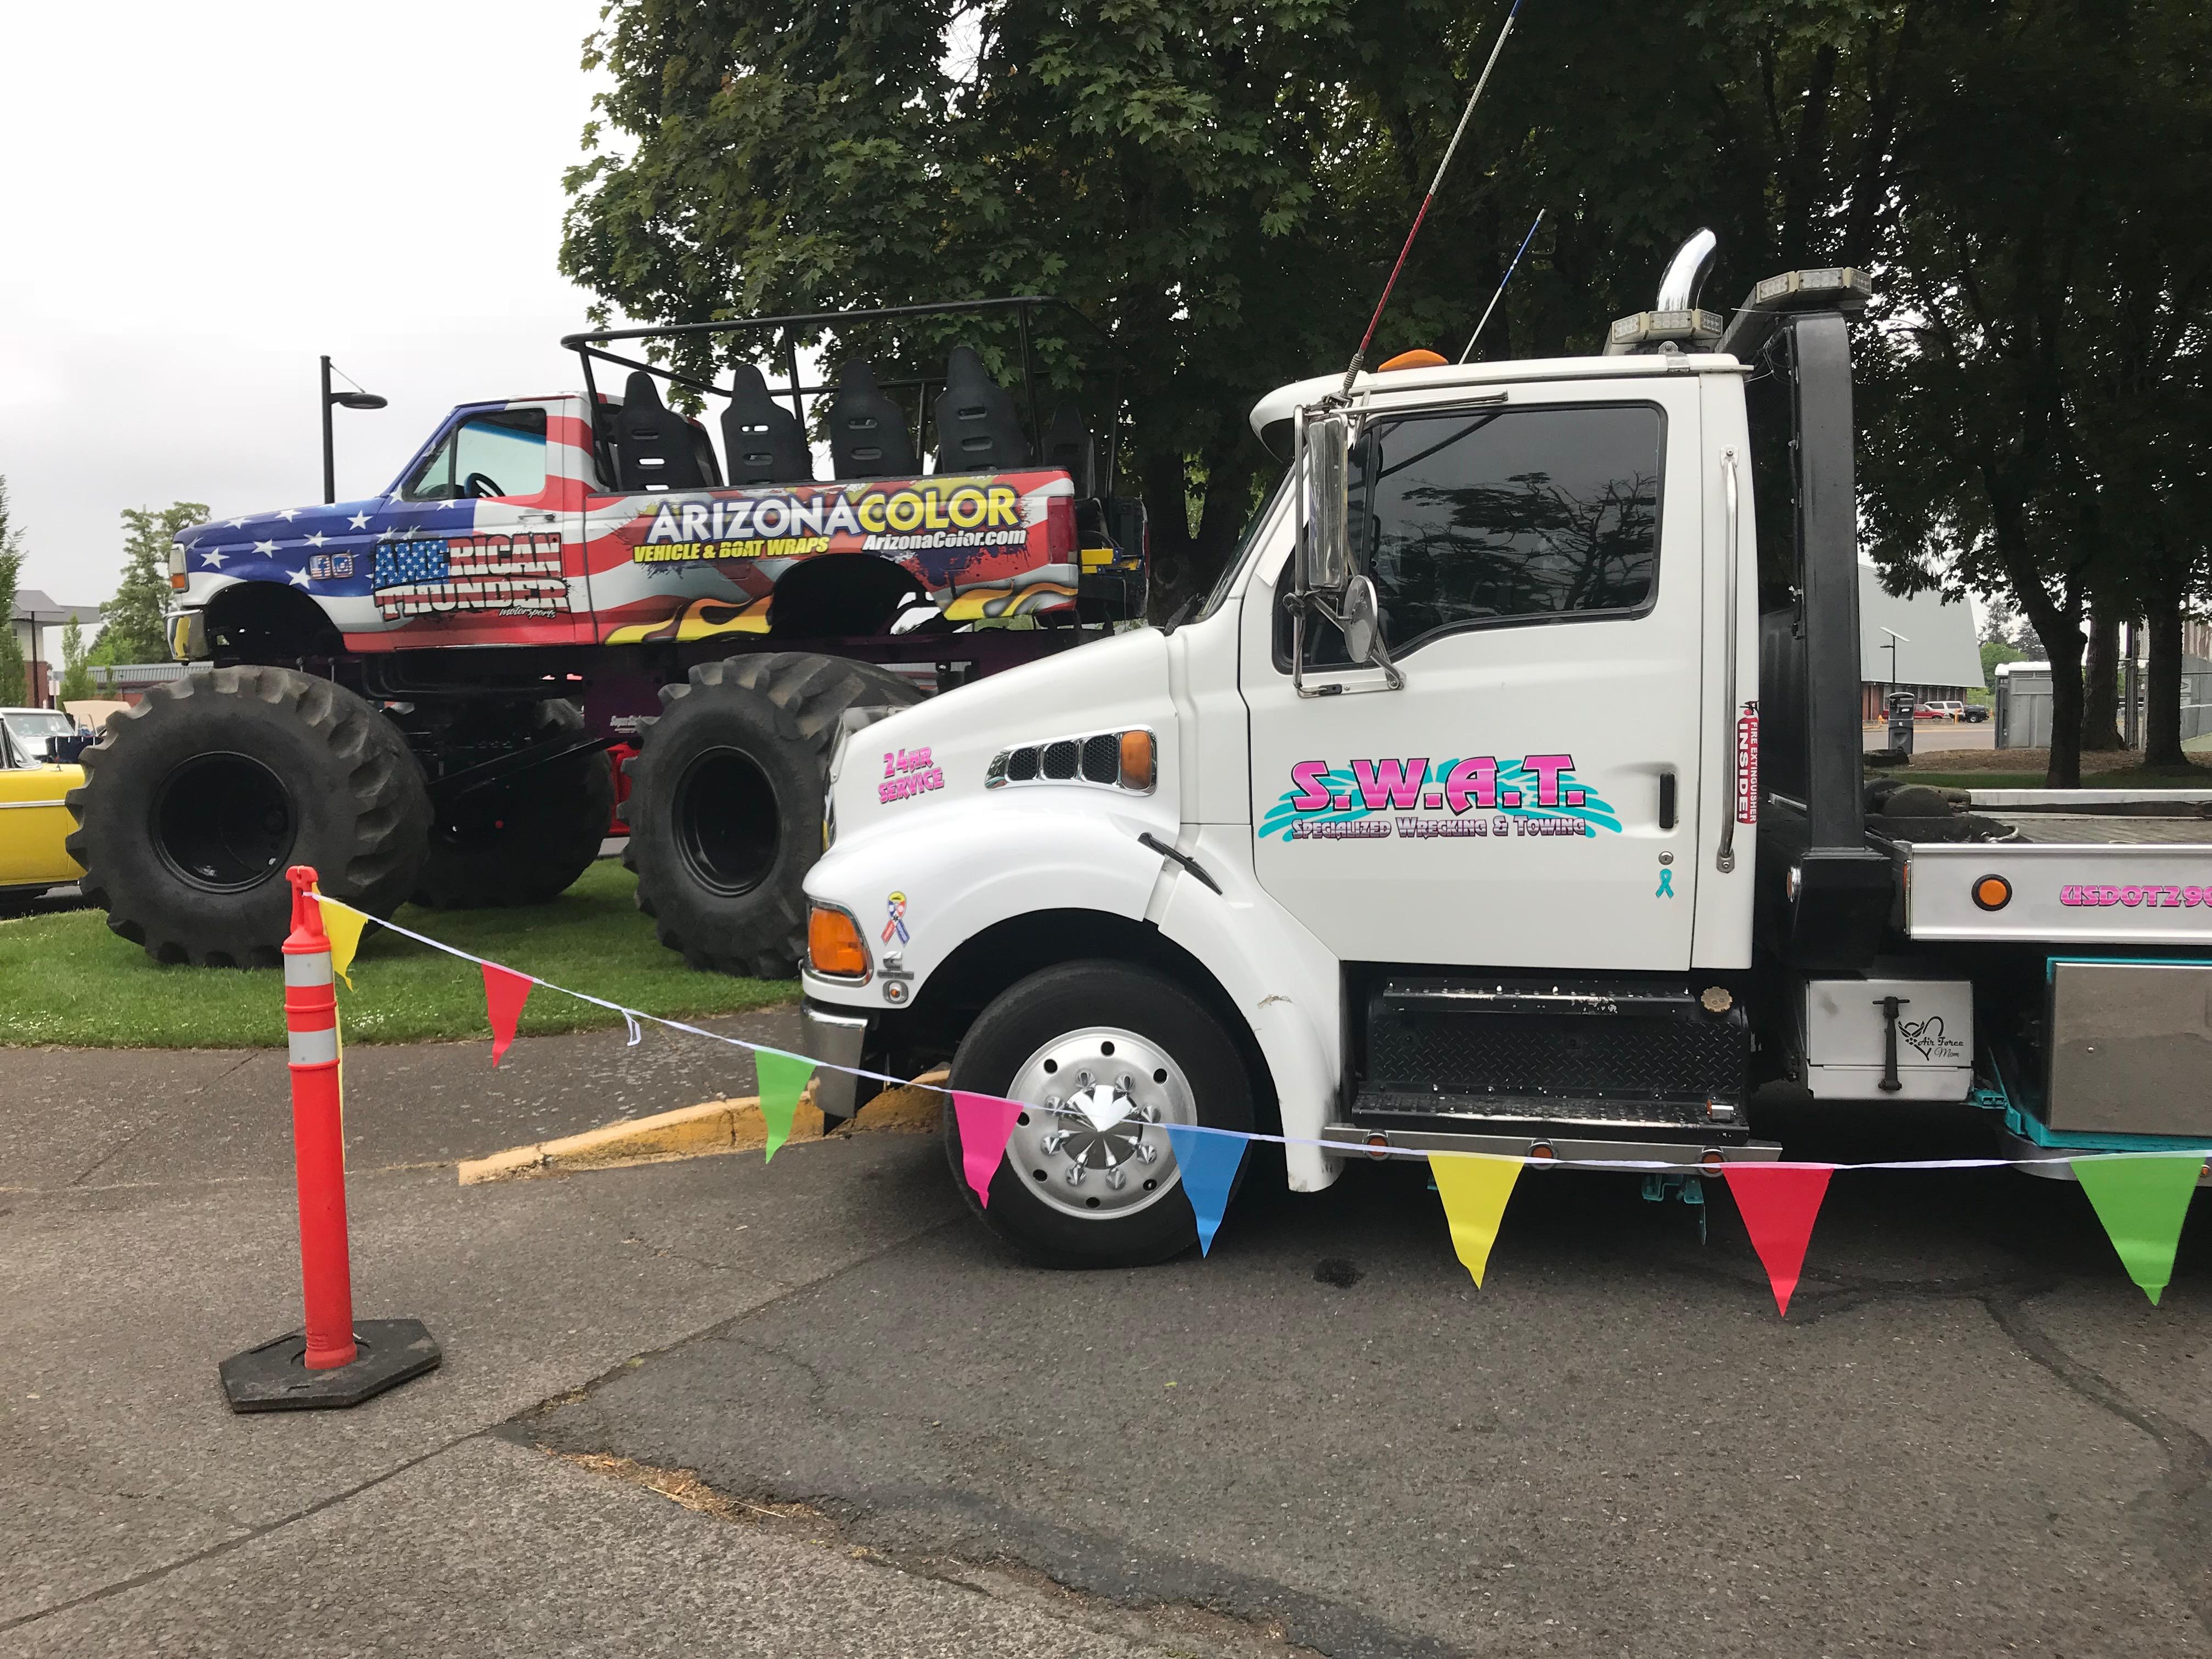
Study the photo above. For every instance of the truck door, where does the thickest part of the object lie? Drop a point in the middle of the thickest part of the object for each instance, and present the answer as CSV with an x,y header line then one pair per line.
x,y
487,547
1528,798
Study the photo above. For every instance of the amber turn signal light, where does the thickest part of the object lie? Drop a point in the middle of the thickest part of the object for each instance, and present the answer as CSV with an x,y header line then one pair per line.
x,y
1137,759
1992,892
834,947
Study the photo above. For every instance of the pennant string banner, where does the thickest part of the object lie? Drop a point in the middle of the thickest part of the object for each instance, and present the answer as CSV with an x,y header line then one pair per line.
x,y
2141,1198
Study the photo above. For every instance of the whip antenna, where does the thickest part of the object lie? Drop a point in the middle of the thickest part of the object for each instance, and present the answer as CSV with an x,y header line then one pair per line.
x,y
1359,357
1502,281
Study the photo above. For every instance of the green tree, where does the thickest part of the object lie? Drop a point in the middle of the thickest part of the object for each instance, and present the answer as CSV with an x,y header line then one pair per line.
x,y
2033,394
1223,185
11,569
77,676
134,631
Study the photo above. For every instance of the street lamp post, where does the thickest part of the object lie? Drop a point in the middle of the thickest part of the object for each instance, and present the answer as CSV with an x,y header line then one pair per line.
x,y
355,398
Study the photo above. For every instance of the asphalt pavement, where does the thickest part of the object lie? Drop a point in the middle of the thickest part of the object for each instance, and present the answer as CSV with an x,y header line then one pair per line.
x,y
810,1407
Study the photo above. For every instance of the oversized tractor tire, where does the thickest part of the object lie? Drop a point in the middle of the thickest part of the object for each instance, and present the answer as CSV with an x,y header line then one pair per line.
x,y
726,803
195,802
522,839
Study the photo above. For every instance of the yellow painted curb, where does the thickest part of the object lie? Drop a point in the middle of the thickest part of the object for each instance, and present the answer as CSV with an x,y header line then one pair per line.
x,y
701,1131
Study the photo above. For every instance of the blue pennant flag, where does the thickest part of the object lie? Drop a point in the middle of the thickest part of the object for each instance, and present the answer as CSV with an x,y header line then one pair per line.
x,y
1209,1159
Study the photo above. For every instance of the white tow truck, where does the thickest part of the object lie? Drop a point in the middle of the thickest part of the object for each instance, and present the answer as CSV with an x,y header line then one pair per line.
x,y
1506,795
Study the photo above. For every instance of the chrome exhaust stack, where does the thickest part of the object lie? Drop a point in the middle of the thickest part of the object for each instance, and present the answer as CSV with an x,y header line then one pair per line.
x,y
1674,323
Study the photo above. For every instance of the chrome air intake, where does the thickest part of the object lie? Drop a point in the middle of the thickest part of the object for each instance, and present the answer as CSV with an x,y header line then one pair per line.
x,y
1675,323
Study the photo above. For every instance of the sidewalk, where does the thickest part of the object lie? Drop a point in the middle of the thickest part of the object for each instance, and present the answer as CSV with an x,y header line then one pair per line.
x,y
147,1230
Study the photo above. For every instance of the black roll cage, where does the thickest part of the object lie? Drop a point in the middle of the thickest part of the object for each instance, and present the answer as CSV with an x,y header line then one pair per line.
x,y
591,345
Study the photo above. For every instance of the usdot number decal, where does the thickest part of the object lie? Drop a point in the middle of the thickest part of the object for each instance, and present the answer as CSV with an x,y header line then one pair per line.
x,y
2149,898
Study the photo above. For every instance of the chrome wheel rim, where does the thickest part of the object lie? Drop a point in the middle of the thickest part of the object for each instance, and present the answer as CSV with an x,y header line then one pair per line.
x,y
1091,1145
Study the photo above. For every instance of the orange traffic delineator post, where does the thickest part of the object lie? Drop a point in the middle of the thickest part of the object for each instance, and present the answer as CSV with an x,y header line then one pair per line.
x,y
334,1360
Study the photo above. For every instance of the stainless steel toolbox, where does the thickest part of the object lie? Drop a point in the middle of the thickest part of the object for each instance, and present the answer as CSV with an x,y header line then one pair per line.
x,y
2130,1049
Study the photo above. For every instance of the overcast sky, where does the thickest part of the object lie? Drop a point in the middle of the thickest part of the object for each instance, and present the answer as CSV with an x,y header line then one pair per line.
x,y
200,198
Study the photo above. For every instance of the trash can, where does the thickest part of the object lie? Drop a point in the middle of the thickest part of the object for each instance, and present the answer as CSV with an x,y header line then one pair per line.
x,y
1900,721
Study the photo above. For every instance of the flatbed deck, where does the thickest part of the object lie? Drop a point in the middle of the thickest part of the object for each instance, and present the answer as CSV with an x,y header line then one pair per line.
x,y
2090,867
2094,829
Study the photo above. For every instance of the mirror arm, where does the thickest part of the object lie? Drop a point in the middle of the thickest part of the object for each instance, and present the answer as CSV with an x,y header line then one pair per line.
x,y
1394,678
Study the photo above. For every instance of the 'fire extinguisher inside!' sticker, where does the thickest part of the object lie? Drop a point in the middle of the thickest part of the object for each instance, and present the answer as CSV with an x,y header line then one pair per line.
x,y
1746,765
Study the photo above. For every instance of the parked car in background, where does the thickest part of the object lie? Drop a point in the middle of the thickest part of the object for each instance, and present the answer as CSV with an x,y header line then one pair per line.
x,y
35,818
1939,711
1976,713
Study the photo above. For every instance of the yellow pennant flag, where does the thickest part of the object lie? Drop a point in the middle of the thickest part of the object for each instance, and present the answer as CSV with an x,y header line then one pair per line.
x,y
1474,1188
343,928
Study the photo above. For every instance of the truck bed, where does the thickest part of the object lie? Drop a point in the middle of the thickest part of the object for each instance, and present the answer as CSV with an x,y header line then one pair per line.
x,y
2114,868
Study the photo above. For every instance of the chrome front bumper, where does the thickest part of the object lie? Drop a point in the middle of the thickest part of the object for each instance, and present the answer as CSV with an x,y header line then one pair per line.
x,y
838,1037
187,631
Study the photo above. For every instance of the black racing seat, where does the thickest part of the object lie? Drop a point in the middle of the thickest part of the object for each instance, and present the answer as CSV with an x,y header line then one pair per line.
x,y
978,428
868,437
658,448
762,438
1067,446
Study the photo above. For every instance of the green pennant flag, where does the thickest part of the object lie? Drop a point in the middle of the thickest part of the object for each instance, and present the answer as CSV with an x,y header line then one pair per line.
x,y
2142,1202
782,1079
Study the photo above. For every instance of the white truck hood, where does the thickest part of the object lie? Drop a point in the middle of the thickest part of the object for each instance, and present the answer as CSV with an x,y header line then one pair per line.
x,y
935,755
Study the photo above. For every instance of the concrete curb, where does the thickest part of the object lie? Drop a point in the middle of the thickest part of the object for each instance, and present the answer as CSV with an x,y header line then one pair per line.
x,y
707,1130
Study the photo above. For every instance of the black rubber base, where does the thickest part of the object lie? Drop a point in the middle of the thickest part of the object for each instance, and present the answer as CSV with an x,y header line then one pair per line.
x,y
271,1378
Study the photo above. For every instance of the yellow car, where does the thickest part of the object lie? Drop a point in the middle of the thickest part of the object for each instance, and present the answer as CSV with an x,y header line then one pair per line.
x,y
34,820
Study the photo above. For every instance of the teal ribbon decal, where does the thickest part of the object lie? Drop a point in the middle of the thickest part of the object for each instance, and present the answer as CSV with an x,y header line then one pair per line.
x,y
1665,884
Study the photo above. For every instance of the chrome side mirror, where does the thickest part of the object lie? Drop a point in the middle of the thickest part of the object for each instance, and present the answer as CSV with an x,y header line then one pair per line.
x,y
1360,618
1324,459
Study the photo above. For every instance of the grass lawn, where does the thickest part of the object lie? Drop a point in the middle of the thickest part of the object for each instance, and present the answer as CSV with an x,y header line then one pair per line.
x,y
66,979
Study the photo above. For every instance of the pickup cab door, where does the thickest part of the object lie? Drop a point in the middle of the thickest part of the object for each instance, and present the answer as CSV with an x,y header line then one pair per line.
x,y
482,541
1529,798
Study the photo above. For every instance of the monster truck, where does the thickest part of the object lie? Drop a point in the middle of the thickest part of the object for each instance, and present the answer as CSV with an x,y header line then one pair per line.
x,y
414,693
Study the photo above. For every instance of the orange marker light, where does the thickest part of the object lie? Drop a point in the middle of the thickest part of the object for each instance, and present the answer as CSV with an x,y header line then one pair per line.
x,y
1137,760
834,947
1419,358
1992,892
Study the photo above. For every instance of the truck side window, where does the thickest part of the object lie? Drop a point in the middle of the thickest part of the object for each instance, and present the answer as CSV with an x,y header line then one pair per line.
x,y
1495,517
499,453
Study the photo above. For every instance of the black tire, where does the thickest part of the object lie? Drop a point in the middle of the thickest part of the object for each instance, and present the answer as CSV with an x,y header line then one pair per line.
x,y
195,801
1031,1018
726,803
526,839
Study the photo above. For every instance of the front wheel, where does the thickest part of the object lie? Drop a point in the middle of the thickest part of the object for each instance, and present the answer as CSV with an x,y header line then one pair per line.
x,y
1103,1054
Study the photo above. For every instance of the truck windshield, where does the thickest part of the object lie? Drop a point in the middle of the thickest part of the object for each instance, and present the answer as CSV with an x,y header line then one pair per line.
x,y
1245,545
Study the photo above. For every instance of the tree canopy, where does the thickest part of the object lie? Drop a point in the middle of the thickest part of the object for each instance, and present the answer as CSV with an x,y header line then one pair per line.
x,y
133,630
12,665
1224,187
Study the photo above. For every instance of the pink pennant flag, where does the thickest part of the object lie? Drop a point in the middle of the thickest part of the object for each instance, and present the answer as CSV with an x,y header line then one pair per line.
x,y
504,992
1777,1202
987,1123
